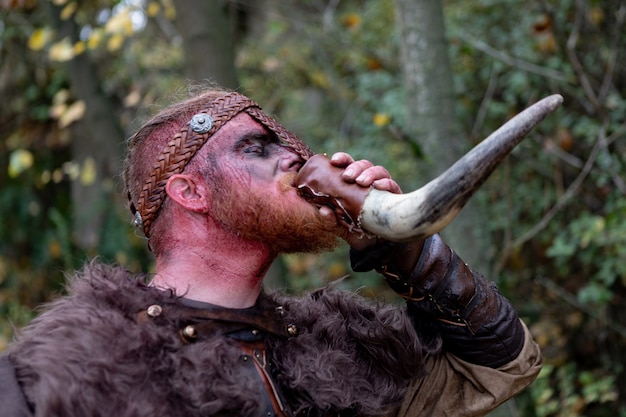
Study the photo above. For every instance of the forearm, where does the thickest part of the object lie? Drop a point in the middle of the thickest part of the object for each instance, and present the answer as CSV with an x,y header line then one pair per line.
x,y
444,295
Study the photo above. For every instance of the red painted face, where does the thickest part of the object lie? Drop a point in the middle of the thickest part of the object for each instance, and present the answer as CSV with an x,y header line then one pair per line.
x,y
251,176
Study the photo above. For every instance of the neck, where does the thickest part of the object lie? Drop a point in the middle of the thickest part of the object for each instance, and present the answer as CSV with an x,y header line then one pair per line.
x,y
228,271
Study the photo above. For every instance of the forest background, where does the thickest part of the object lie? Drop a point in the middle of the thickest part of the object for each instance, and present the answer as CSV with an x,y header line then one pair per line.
x,y
408,84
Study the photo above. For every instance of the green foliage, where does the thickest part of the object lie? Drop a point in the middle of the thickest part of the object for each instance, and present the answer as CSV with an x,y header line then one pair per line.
x,y
331,72
596,243
567,391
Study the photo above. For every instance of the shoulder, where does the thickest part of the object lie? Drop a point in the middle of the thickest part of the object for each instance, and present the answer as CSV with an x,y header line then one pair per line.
x,y
364,349
11,395
340,320
340,305
97,295
99,286
98,279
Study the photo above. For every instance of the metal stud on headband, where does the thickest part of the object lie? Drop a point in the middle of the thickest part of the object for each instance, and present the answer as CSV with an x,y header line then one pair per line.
x,y
191,137
201,123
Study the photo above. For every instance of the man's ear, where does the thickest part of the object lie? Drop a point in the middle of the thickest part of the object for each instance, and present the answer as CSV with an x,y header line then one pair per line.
x,y
184,190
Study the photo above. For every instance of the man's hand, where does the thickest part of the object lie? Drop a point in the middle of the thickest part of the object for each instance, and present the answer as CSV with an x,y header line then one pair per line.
x,y
338,186
364,173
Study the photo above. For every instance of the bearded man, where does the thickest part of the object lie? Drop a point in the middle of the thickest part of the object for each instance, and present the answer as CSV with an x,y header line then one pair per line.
x,y
217,187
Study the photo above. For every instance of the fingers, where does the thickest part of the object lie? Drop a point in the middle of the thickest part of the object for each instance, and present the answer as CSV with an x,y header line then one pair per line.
x,y
341,159
364,173
387,184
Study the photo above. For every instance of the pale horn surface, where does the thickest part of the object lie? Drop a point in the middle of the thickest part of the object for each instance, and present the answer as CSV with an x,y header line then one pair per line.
x,y
426,211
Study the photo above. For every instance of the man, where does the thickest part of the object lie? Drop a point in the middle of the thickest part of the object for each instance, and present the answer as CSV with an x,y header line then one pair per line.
x,y
217,187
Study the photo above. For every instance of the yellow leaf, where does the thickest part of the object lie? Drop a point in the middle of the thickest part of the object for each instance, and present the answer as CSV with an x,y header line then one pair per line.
x,y
57,176
319,79
62,51
61,96
88,173
115,42
351,20
19,161
46,176
39,39
71,169
68,10
57,110
132,99
3,269
337,270
153,8
54,248
596,15
79,48
95,39
121,23
121,258
381,119
170,11
74,112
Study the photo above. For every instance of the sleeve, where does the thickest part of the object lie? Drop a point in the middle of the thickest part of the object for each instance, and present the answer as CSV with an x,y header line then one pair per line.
x,y
448,300
454,387
11,396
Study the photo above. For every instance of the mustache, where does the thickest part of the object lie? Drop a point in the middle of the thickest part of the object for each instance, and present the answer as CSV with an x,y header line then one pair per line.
x,y
288,181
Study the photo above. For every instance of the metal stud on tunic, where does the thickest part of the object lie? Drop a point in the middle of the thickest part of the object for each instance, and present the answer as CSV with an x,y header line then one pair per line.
x,y
190,332
154,310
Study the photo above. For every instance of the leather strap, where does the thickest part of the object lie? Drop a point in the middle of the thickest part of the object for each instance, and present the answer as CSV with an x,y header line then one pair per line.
x,y
197,324
215,320
255,352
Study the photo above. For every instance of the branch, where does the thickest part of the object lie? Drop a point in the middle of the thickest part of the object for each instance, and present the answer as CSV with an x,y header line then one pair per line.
x,y
329,12
513,61
578,68
573,301
615,175
610,71
561,202
484,105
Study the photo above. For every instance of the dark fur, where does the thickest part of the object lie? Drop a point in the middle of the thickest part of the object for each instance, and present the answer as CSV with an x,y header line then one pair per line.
x,y
86,356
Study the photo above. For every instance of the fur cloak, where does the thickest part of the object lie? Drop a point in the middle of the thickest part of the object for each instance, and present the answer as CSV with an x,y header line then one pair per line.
x,y
86,355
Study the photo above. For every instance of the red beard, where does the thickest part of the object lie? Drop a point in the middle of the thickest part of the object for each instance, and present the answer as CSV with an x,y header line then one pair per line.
x,y
285,226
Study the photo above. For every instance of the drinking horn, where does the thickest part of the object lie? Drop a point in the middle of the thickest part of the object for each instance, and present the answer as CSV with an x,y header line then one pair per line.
x,y
429,209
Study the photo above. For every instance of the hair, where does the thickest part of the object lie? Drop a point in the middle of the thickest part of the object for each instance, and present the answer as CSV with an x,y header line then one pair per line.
x,y
145,146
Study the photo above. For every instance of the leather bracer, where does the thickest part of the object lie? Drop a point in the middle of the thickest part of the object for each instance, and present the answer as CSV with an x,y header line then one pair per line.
x,y
475,321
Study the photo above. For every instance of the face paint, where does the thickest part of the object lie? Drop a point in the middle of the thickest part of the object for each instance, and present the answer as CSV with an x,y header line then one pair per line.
x,y
191,137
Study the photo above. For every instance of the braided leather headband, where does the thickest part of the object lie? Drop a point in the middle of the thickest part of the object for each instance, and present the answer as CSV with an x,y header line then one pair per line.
x,y
191,137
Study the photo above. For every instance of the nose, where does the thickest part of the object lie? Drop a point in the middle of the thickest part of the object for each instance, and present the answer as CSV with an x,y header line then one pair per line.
x,y
290,161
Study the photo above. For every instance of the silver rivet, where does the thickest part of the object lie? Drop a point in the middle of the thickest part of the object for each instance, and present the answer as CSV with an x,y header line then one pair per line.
x,y
154,310
201,123
190,332
138,220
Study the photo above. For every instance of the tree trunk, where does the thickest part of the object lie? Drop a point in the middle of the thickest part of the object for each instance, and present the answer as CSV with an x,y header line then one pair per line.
x,y
98,149
432,121
207,30
431,118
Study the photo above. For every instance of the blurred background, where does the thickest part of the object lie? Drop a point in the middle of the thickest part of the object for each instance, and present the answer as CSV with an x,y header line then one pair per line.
x,y
408,84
